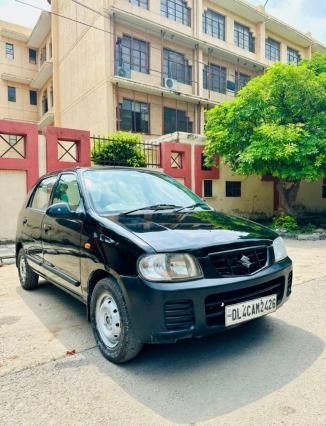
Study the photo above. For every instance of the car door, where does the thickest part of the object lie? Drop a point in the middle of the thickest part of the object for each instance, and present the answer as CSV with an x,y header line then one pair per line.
x,y
61,237
31,220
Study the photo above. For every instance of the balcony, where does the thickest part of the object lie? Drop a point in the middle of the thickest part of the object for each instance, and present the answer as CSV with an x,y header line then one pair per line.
x,y
15,78
47,119
44,74
40,31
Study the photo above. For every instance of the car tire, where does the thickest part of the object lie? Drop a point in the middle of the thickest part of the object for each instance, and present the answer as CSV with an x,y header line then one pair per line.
x,y
111,323
27,277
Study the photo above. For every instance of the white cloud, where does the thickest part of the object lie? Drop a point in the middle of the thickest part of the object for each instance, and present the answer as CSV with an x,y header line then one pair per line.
x,y
301,14
12,11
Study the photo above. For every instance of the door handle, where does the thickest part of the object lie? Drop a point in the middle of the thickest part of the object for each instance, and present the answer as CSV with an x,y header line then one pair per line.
x,y
24,221
47,227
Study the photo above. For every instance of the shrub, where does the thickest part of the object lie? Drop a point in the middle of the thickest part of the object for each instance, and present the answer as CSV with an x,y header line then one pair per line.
x,y
285,223
120,149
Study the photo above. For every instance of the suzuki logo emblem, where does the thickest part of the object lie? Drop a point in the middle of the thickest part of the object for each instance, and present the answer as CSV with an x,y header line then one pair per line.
x,y
245,261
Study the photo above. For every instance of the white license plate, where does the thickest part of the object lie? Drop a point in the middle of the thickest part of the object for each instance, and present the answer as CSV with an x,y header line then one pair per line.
x,y
246,311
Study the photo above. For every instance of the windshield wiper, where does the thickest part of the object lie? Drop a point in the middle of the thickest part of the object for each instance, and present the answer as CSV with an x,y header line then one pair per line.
x,y
191,206
154,207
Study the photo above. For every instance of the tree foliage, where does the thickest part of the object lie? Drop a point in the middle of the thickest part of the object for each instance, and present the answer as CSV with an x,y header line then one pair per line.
x,y
119,149
275,126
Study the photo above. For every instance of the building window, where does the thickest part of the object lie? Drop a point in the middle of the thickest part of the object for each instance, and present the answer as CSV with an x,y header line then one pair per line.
x,y
11,94
241,80
214,24
208,188
132,54
45,103
140,3
176,66
232,189
33,97
176,120
134,116
51,96
323,193
10,51
272,49
203,165
43,55
177,10
32,56
214,78
293,56
243,37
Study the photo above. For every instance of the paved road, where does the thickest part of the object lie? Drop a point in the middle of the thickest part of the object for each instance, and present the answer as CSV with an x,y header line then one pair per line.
x,y
268,372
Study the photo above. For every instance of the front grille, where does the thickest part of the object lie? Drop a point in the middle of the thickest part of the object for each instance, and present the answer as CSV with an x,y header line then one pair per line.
x,y
240,262
179,315
215,303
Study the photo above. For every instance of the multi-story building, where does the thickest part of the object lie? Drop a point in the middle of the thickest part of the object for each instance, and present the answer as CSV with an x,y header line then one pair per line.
x,y
155,66
26,72
152,67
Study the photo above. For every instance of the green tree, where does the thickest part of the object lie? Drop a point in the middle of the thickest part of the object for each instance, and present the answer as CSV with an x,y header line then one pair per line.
x,y
120,149
275,126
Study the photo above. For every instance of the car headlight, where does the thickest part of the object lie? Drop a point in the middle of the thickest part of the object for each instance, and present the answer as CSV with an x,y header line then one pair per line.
x,y
169,267
279,249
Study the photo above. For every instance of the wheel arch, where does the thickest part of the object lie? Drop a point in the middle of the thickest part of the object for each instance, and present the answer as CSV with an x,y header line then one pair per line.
x,y
97,276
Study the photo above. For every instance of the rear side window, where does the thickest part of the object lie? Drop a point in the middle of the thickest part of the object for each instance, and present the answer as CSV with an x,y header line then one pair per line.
x,y
42,194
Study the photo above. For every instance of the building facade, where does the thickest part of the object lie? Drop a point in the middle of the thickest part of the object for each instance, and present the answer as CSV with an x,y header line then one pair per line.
x,y
151,67
26,72
155,66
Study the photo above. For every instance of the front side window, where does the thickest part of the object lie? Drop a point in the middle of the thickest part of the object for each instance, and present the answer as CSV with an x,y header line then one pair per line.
x,y
293,56
241,80
214,24
134,116
243,37
140,3
67,191
132,53
214,78
177,10
176,66
42,194
176,120
272,49
11,94
10,51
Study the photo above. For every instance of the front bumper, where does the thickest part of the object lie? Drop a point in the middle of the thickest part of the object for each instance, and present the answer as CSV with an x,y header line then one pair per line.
x,y
167,312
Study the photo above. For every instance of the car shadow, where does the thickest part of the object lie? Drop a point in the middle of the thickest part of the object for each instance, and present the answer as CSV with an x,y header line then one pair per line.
x,y
198,379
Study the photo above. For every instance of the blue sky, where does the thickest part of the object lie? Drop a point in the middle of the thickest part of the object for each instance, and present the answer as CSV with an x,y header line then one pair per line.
x,y
306,15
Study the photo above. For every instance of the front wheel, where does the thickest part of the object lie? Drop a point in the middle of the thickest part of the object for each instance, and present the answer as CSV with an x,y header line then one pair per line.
x,y
111,323
27,277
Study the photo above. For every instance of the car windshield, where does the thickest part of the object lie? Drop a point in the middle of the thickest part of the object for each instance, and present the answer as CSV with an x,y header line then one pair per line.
x,y
127,191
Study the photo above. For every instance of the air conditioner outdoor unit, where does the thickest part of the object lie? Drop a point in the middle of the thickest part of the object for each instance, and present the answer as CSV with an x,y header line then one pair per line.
x,y
170,83
124,71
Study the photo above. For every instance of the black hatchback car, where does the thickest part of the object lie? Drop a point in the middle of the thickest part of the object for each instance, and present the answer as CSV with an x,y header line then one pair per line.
x,y
151,260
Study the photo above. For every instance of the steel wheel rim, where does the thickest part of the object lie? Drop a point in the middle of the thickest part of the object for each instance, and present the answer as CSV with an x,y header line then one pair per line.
x,y
22,268
108,320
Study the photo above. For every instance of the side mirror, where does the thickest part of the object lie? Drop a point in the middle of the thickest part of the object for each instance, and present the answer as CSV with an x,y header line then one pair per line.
x,y
60,210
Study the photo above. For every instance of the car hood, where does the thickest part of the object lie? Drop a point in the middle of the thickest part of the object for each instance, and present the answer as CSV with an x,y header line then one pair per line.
x,y
192,230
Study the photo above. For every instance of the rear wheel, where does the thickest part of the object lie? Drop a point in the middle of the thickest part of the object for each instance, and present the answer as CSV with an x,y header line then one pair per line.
x,y
111,323
27,277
